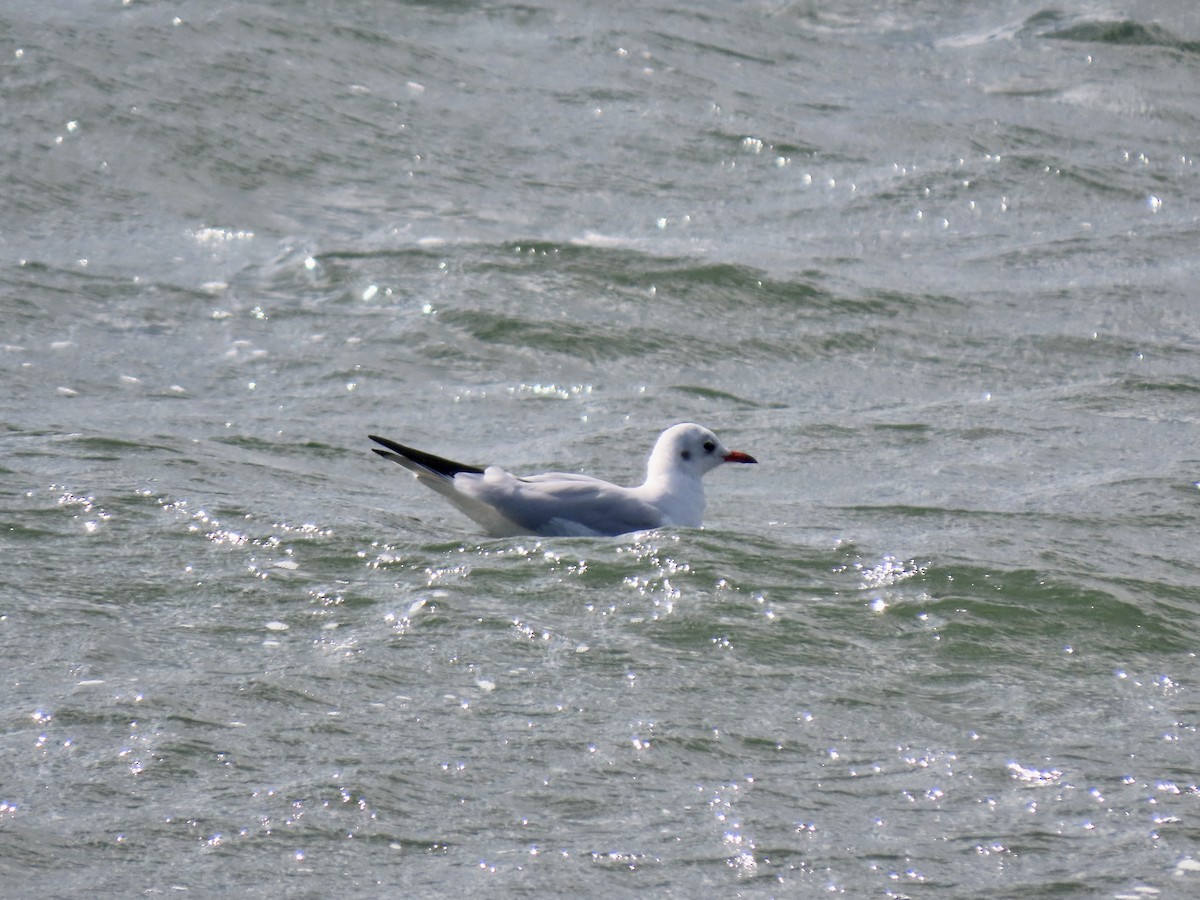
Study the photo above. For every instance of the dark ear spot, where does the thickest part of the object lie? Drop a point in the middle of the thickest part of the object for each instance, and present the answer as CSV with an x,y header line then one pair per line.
x,y
686,454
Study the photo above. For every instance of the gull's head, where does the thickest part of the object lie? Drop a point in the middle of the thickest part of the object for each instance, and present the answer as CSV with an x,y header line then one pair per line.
x,y
691,449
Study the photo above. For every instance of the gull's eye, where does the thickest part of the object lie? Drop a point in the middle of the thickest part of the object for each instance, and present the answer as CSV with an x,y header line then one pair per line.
x,y
709,446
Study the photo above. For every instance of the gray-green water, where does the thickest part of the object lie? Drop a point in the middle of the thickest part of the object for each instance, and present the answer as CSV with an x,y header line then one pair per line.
x,y
933,264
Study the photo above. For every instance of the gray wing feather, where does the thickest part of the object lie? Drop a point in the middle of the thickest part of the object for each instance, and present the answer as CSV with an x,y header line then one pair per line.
x,y
557,504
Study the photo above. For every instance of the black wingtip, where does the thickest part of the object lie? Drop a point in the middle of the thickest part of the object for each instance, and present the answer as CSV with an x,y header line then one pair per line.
x,y
447,468
391,445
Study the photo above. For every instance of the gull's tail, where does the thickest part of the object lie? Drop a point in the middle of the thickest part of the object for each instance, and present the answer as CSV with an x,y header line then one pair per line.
x,y
439,474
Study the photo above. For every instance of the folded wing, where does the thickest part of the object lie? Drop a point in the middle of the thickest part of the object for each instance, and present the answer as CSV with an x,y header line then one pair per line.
x,y
558,504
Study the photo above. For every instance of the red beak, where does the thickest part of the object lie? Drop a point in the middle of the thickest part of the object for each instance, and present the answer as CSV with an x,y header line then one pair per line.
x,y
739,456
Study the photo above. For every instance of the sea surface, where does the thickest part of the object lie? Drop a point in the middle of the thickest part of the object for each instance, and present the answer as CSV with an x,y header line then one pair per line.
x,y
935,264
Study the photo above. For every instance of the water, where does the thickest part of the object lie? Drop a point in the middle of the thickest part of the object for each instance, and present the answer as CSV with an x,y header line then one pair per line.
x,y
933,264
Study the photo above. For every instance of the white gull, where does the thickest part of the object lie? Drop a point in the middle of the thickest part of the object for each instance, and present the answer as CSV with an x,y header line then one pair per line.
x,y
578,505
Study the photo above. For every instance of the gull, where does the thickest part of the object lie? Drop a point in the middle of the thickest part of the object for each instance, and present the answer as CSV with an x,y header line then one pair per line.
x,y
558,504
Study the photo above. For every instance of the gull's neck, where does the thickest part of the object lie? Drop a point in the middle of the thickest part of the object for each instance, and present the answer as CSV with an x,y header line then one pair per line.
x,y
679,494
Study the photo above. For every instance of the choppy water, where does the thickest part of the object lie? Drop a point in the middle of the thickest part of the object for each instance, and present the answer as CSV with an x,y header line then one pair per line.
x,y
934,264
